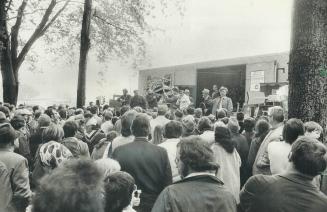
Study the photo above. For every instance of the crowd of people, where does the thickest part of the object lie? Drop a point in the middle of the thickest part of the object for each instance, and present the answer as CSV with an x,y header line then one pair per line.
x,y
158,155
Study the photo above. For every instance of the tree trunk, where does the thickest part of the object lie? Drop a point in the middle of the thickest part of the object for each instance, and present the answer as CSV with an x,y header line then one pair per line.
x,y
9,78
308,62
308,65
85,46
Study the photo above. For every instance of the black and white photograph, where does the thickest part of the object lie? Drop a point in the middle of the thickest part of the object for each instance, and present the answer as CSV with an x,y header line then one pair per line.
x,y
163,106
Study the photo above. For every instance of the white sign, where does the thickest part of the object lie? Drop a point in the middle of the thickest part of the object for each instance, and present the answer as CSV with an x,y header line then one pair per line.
x,y
257,77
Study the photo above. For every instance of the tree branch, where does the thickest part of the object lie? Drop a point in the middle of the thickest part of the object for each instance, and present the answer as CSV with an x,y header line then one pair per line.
x,y
15,31
113,25
54,18
39,31
8,7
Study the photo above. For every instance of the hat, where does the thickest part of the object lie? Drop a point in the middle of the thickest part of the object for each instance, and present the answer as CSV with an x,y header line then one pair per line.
x,y
8,130
17,122
223,88
23,112
189,122
44,120
205,91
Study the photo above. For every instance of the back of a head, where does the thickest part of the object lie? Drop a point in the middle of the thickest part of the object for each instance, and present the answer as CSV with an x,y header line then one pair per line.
x,y
223,137
74,186
188,123
70,128
190,110
196,153
107,166
178,114
141,126
249,124
221,113
126,123
52,133
44,120
312,126
119,188
233,126
7,134
308,156
124,109
173,129
162,110
5,110
293,128
94,110
204,124
277,113
240,116
107,115
262,127
17,122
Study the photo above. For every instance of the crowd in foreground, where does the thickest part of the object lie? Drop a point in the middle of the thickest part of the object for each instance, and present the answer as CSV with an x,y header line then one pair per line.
x,y
96,159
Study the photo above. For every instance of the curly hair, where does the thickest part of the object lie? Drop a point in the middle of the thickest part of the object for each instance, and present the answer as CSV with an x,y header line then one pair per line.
x,y
75,186
119,188
196,153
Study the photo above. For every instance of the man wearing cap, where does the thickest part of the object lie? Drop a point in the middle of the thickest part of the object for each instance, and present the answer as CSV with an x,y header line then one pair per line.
x,y
125,99
222,102
206,103
17,167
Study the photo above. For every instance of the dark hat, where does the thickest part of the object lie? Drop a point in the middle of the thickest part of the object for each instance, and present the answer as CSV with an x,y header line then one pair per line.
x,y
17,122
8,132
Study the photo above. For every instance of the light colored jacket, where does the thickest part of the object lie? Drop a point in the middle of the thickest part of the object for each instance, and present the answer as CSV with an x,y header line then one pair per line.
x,y
226,103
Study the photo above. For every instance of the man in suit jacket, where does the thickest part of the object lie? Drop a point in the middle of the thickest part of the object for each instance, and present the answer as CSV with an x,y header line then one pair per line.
x,y
222,102
147,163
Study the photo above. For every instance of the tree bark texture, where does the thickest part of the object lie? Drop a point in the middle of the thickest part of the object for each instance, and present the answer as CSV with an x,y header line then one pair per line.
x,y
85,46
9,78
308,62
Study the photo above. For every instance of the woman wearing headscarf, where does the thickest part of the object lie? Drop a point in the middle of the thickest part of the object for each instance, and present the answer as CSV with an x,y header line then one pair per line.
x,y
50,153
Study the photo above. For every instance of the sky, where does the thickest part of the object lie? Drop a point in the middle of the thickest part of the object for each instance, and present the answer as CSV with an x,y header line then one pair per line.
x,y
208,30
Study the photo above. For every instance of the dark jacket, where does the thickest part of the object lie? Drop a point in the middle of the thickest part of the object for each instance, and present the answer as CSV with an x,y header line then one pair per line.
x,y
203,193
150,167
290,192
125,100
242,148
206,106
138,101
35,141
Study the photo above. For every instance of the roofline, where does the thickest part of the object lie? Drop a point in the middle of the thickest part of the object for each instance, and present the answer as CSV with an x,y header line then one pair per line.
x,y
224,60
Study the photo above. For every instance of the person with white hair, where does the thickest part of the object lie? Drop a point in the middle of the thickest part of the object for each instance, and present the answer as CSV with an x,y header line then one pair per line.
x,y
222,102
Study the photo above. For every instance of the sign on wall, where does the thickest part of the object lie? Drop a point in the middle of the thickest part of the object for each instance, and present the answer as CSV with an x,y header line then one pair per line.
x,y
257,77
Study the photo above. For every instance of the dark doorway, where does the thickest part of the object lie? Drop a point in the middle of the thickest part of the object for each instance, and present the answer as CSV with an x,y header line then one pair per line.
x,y
232,77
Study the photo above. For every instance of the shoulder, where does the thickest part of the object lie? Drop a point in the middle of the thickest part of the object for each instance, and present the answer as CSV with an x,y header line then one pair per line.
x,y
261,181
